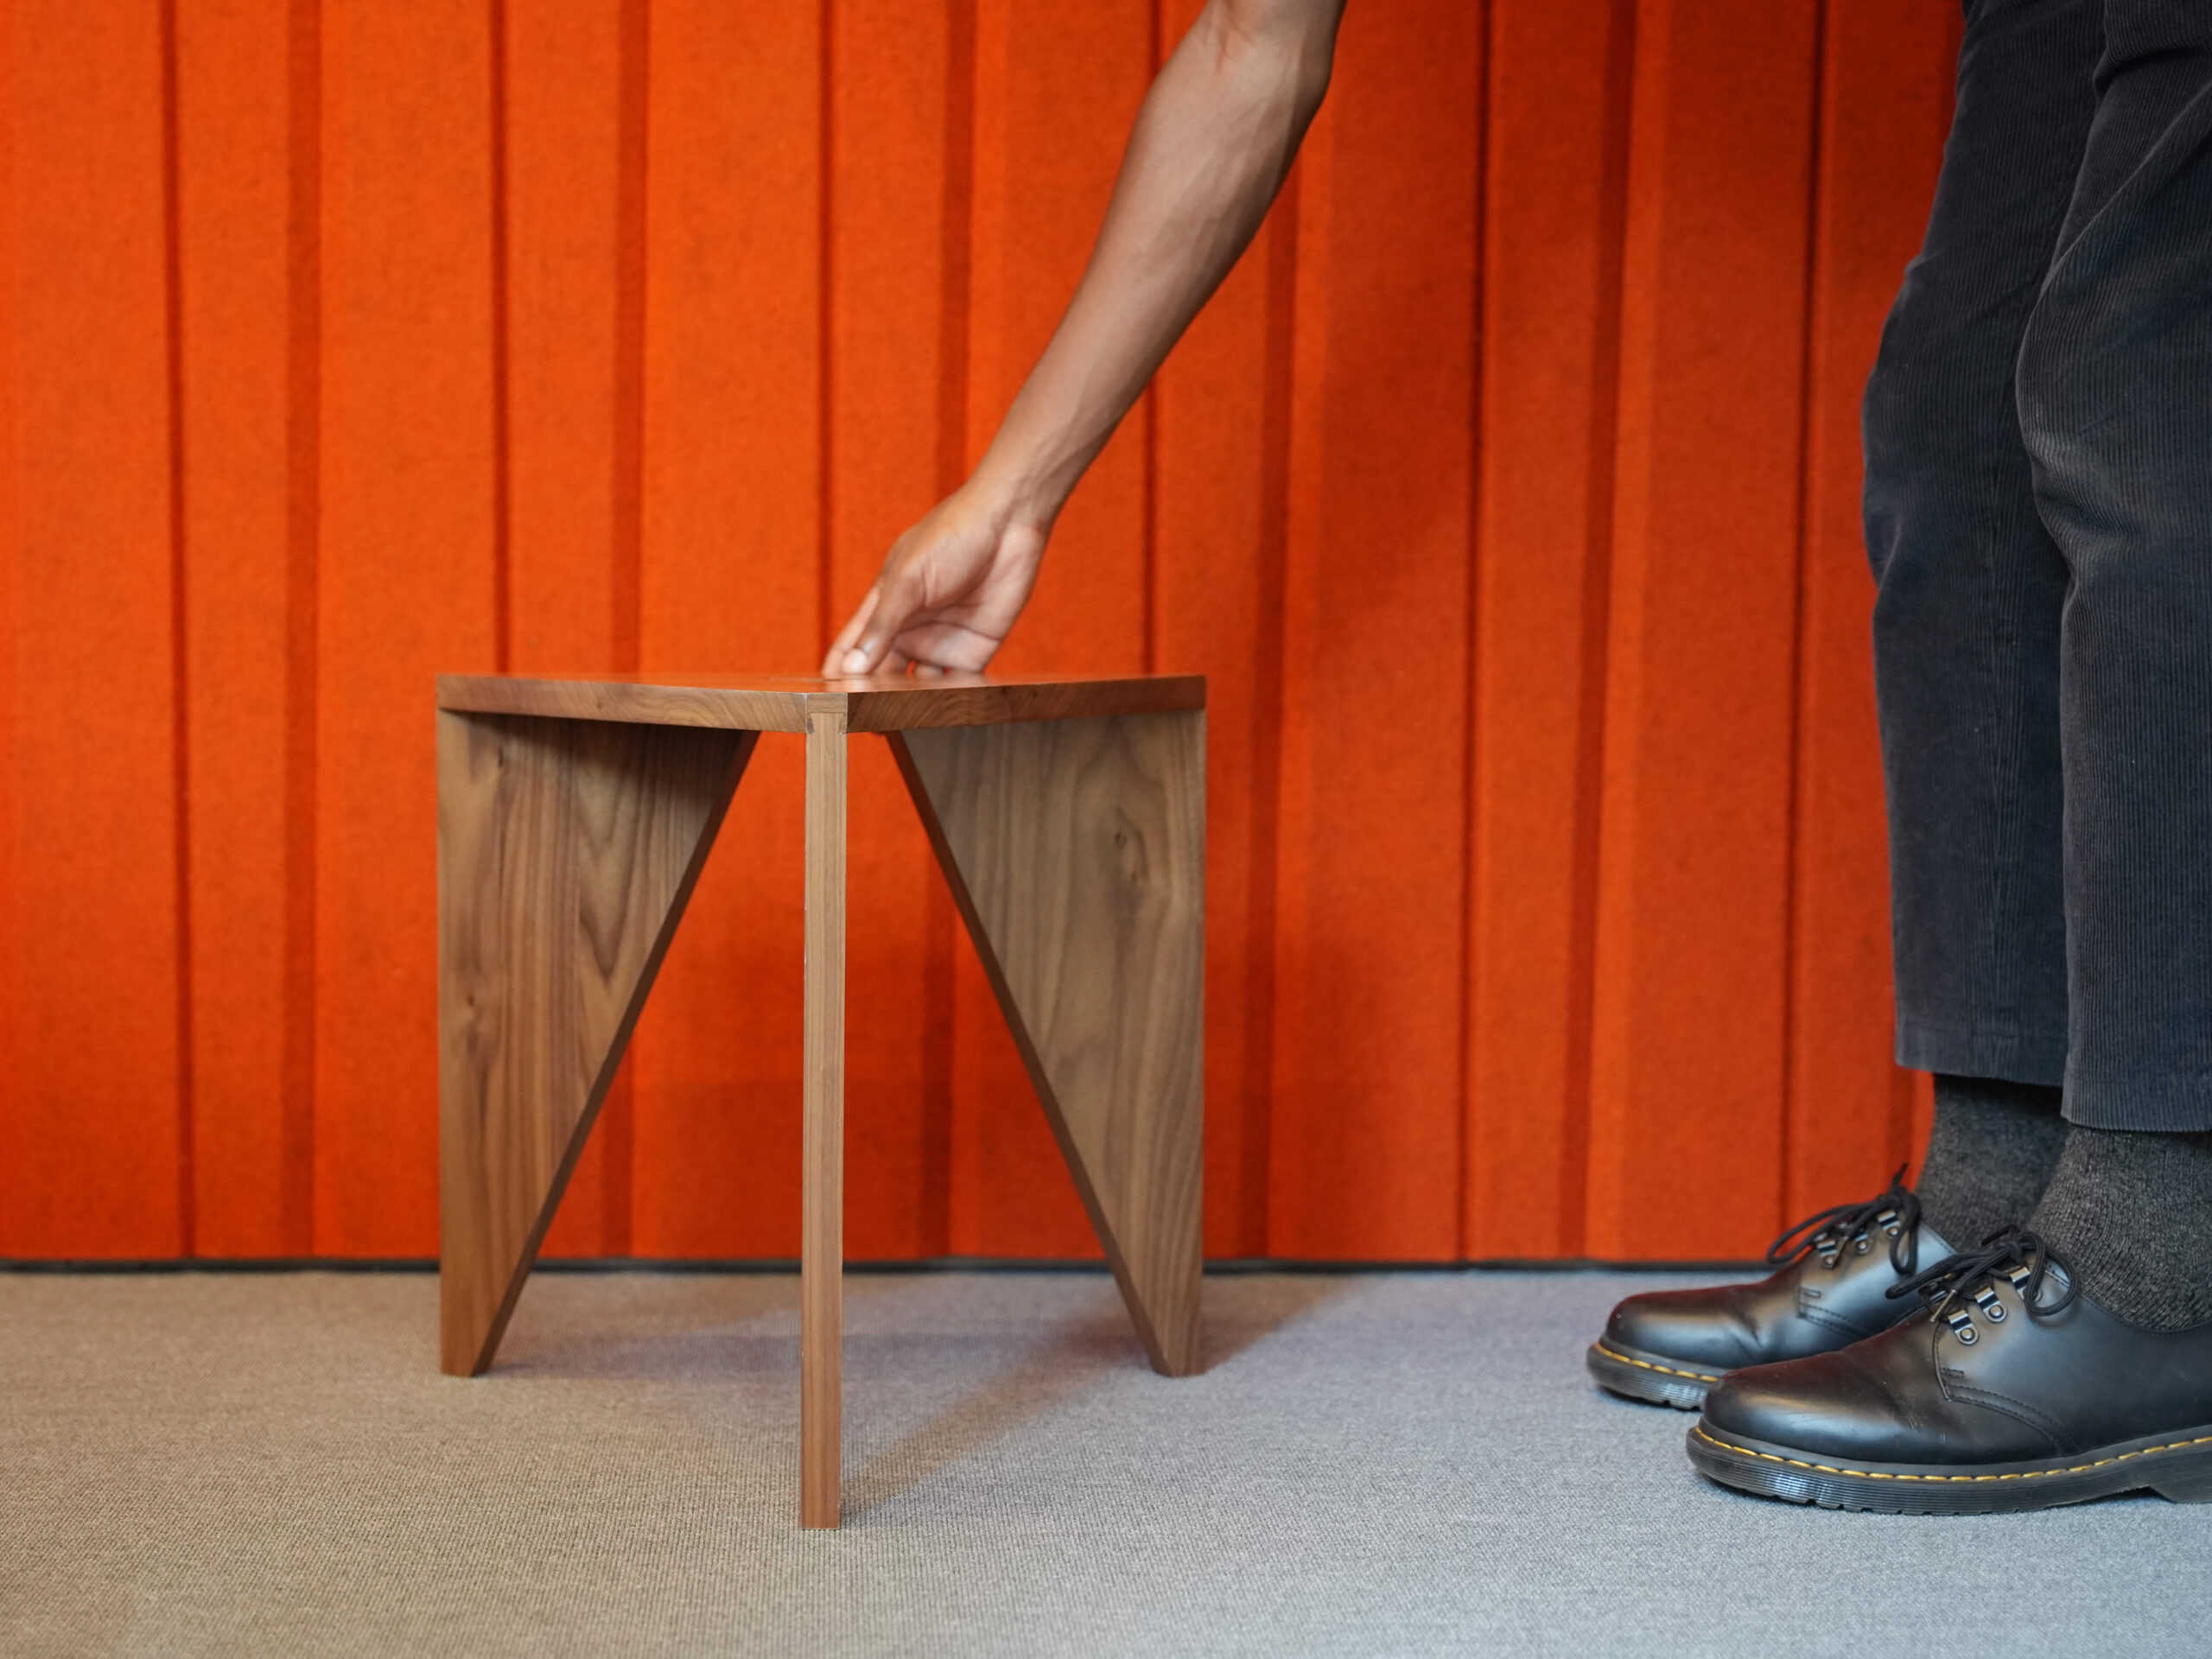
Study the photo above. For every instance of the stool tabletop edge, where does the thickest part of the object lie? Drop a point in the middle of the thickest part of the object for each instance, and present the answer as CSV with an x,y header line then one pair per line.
x,y
902,704
735,707
780,703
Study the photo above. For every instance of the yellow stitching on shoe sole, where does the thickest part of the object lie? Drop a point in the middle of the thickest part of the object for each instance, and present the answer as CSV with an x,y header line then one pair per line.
x,y
1876,1474
1702,1376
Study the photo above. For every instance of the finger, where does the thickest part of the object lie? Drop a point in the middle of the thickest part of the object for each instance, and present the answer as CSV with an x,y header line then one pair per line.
x,y
833,660
897,597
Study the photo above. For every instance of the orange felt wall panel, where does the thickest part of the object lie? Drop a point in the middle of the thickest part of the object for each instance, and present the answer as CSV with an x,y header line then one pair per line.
x,y
1507,493
92,1150
1689,995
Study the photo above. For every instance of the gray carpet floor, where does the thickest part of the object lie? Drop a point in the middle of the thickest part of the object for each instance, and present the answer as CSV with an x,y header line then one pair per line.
x,y
1373,1464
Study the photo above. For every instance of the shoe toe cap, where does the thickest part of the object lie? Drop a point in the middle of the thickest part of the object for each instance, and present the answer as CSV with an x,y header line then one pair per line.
x,y
1867,1404
1705,1328
1824,1404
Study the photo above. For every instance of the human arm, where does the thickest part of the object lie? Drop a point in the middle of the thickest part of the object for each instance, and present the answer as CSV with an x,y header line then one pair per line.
x,y
1210,148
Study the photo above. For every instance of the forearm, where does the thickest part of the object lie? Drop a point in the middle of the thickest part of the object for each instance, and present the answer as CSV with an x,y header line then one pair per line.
x,y
1210,148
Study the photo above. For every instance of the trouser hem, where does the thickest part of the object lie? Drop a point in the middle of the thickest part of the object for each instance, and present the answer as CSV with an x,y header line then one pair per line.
x,y
2001,1056
2178,1103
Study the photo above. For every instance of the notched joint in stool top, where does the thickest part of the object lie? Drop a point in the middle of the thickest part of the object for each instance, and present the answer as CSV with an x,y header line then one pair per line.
x,y
820,706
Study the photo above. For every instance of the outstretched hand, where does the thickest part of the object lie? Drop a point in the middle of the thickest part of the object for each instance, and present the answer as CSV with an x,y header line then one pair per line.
x,y
1210,148
947,595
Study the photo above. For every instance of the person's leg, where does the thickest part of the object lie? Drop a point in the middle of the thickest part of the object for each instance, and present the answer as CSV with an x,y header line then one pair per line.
x,y
2115,396
1966,666
2074,1358
1966,624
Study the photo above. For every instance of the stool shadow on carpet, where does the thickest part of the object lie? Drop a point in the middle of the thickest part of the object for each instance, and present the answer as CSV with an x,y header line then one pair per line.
x,y
1244,1309
1065,1363
1241,1312
940,1369
675,1329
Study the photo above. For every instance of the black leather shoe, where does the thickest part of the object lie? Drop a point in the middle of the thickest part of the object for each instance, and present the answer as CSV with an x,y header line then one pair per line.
x,y
2008,1390
1834,1270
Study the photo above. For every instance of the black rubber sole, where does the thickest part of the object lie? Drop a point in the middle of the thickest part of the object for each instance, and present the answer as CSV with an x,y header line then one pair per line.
x,y
1649,1376
2175,1466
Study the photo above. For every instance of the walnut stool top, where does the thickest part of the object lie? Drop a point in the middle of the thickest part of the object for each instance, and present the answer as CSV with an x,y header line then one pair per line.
x,y
769,703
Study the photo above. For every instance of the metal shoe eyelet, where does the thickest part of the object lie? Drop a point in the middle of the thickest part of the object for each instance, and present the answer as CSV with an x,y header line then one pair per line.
x,y
1994,1312
1863,1246
1967,1335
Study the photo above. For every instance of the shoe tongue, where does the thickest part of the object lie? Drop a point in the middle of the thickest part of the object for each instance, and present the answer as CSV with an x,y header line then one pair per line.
x,y
1934,1247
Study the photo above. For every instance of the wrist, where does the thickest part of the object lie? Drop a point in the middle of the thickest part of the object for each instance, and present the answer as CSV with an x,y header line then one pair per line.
x,y
1019,492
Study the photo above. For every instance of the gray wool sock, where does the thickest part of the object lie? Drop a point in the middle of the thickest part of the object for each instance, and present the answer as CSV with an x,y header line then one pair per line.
x,y
2130,1210
1989,1155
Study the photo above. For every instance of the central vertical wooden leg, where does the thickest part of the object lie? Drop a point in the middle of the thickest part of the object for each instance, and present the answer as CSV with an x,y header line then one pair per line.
x,y
821,1223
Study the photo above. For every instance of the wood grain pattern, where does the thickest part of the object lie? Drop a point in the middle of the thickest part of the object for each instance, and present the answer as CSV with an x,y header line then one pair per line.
x,y
822,1206
566,852
1076,852
762,702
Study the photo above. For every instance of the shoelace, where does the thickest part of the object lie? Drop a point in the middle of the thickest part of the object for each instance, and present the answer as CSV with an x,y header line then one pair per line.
x,y
1959,1285
1833,1231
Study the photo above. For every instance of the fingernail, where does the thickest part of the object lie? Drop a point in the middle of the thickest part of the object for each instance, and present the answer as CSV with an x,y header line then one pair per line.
x,y
856,662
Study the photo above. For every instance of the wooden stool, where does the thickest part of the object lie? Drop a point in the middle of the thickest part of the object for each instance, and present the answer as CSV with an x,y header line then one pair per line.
x,y
574,816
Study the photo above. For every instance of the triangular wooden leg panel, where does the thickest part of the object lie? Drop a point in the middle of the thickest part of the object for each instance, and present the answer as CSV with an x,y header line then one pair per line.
x,y
567,849
1077,852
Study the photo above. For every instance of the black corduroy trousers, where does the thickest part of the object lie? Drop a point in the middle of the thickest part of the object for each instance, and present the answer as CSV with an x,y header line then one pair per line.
x,y
2038,433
